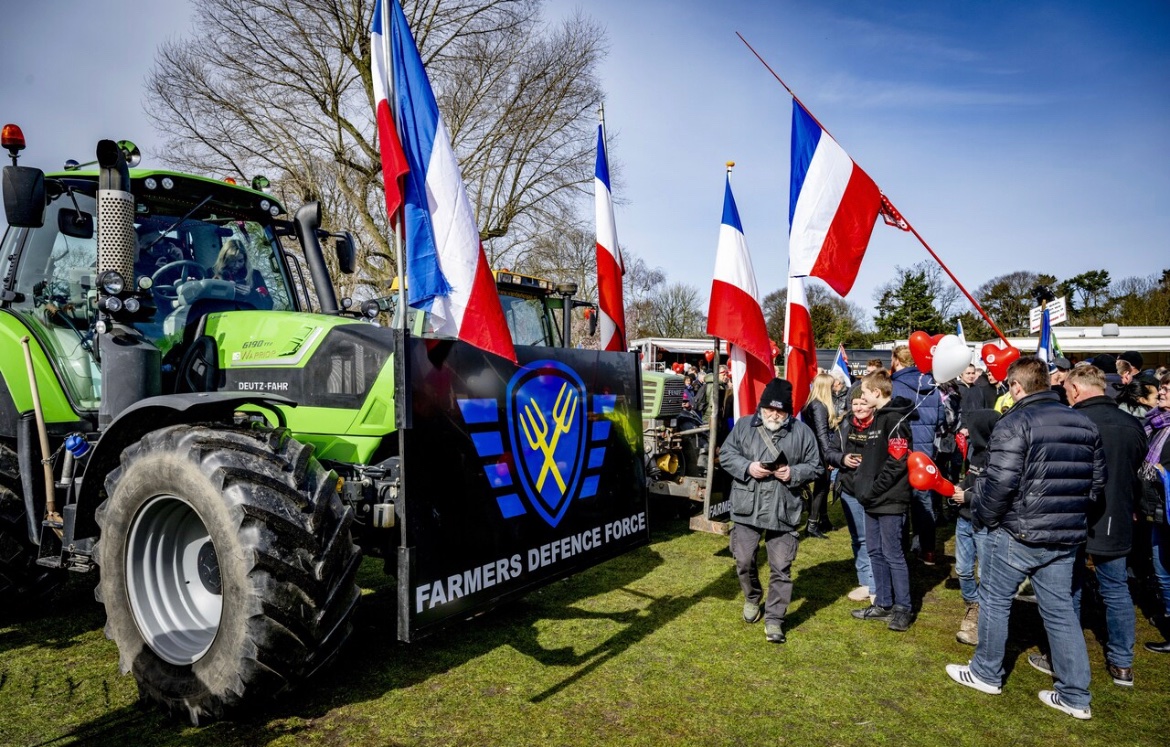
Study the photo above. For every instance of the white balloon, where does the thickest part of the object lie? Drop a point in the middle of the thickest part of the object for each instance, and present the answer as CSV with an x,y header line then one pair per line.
x,y
951,358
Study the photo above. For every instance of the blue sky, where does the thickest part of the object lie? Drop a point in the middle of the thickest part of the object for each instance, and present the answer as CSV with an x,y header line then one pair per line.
x,y
1012,135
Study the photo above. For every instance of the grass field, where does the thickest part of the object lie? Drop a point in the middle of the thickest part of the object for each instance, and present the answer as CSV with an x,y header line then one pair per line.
x,y
647,649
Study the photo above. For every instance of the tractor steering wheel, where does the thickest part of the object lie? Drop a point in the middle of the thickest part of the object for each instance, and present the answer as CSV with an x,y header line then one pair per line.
x,y
183,268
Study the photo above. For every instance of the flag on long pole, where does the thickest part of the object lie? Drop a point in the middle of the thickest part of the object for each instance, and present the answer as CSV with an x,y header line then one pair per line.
x,y
445,263
610,267
800,365
735,313
833,206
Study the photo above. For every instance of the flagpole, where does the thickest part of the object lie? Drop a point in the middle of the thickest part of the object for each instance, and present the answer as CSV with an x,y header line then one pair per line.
x,y
885,200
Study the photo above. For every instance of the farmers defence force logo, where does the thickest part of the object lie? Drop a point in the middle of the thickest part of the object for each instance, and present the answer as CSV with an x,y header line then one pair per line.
x,y
557,449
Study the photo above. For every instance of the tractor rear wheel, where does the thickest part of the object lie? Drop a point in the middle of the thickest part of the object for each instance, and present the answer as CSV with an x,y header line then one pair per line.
x,y
21,578
227,566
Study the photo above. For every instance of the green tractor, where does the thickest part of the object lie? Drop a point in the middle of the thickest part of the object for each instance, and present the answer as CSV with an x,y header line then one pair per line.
x,y
176,415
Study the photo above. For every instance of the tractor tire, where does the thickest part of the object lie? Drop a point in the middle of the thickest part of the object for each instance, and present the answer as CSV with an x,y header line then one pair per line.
x,y
227,566
21,579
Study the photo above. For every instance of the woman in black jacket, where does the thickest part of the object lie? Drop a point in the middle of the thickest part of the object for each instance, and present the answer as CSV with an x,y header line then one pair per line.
x,y
845,444
818,414
1154,500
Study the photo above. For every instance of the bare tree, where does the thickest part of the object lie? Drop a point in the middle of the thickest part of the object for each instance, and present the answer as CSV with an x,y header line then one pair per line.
x,y
640,287
677,313
283,87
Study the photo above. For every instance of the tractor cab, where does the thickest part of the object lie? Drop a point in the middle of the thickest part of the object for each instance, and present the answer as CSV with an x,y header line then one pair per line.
x,y
201,246
533,308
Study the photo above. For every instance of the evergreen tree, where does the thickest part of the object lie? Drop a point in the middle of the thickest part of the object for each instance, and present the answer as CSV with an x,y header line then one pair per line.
x,y
906,305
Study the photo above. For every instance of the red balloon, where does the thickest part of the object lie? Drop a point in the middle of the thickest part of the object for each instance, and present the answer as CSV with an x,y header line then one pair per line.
x,y
935,338
923,478
944,487
922,349
676,367
918,460
709,355
999,359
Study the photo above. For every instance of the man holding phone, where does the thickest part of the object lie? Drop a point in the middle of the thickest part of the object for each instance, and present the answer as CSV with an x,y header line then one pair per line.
x,y
770,457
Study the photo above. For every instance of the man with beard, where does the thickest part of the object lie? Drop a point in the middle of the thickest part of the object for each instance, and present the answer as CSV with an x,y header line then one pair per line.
x,y
769,456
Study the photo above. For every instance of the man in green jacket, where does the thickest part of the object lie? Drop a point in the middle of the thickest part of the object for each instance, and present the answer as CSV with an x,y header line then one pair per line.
x,y
770,457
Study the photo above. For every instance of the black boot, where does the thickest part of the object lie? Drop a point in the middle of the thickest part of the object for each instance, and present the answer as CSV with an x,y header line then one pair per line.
x,y
814,530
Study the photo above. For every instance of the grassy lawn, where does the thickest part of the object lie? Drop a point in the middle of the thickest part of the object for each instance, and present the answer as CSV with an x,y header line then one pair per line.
x,y
647,649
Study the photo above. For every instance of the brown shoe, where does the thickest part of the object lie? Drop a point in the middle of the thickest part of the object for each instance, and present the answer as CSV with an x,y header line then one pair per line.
x,y
969,628
1121,675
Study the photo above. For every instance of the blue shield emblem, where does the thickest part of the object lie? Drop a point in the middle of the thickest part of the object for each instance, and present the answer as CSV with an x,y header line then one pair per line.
x,y
548,429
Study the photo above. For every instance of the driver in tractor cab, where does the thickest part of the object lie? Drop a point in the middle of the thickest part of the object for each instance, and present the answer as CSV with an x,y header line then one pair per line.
x,y
153,256
232,265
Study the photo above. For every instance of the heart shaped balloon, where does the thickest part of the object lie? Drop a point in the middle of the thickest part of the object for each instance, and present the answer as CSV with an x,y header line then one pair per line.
x,y
998,359
943,487
951,357
924,478
921,349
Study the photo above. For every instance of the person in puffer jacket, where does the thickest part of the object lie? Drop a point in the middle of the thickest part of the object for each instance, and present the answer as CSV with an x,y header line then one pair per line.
x,y
1045,470
929,416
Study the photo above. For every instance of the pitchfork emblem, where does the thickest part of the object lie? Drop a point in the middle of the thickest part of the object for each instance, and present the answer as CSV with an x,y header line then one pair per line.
x,y
549,431
535,428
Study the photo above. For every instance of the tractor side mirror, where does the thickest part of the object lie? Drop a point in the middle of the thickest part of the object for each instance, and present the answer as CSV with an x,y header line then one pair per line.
x,y
24,196
75,224
346,253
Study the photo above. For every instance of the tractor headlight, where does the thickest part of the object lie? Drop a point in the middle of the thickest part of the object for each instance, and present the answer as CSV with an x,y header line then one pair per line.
x,y
132,305
112,304
112,283
150,182
168,183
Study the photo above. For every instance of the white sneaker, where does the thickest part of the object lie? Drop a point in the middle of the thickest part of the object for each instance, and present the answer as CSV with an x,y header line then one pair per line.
x,y
961,673
860,594
1052,698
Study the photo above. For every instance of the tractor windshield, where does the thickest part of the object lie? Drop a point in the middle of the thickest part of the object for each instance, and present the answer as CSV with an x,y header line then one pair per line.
x,y
198,264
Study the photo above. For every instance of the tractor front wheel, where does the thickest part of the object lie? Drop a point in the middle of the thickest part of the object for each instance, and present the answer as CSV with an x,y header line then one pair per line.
x,y
227,566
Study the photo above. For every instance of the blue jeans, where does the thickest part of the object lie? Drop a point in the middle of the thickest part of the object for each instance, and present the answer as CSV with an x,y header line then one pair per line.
x,y
891,575
968,553
1120,617
922,520
855,518
1160,543
1005,565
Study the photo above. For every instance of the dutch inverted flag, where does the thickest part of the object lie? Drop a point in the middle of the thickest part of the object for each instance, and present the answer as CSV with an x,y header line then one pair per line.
x,y
447,271
833,206
1045,349
841,363
610,267
735,313
800,365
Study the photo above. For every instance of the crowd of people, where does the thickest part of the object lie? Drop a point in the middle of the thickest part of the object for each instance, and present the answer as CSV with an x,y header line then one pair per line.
x,y
1060,487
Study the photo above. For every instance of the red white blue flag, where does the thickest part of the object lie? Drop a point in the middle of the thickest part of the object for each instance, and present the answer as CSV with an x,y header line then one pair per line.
x,y
841,363
610,267
735,313
447,271
800,364
833,206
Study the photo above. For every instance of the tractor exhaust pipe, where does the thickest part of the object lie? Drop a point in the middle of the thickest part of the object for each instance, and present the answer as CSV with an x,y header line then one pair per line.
x,y
117,241
306,222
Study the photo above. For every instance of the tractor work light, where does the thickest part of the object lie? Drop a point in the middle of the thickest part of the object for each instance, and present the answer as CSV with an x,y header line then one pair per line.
x,y
145,283
112,283
168,183
150,182
370,309
274,211
265,204
132,305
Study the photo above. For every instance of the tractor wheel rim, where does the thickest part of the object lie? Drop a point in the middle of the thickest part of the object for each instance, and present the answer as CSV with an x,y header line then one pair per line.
x,y
173,580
